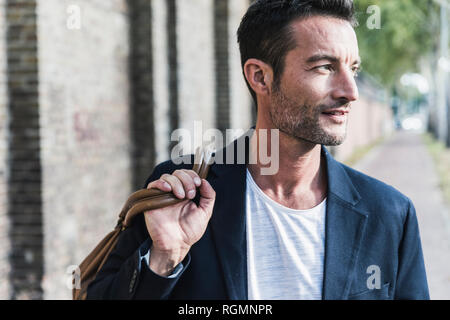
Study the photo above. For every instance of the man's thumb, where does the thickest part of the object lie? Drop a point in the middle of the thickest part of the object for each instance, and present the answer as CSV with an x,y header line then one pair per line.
x,y
207,196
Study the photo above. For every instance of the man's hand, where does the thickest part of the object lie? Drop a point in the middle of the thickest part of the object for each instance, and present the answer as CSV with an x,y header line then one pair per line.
x,y
176,228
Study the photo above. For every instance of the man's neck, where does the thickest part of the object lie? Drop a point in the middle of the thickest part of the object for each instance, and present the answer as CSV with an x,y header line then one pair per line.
x,y
301,181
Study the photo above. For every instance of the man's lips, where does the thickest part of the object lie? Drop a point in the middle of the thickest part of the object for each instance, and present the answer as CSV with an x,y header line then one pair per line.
x,y
337,115
337,112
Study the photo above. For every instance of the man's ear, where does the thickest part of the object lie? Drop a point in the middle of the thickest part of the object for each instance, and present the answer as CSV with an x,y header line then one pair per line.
x,y
259,75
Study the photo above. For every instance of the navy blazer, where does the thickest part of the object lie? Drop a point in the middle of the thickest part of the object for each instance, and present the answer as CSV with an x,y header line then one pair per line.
x,y
370,228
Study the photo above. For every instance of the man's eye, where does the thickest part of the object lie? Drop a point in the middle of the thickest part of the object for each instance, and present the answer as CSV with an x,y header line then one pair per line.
x,y
356,71
326,67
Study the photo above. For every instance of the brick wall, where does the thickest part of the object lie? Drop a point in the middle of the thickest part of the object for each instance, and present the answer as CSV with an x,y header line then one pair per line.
x,y
24,172
222,64
4,221
191,84
161,71
86,123
207,46
371,118
240,99
196,63
84,107
173,66
142,97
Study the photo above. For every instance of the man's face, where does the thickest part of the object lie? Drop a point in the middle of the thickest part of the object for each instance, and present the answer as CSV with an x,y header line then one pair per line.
x,y
318,78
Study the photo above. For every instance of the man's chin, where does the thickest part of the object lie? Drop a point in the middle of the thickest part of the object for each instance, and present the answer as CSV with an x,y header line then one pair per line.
x,y
324,138
333,140
333,143
326,141
315,136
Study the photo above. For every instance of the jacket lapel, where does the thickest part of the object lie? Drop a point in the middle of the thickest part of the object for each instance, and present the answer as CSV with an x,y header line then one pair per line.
x,y
344,229
228,221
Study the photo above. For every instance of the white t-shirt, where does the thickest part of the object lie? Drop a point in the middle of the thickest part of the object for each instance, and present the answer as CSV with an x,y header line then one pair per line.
x,y
285,248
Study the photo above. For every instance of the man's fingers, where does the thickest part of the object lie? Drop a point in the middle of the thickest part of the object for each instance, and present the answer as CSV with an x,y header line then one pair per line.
x,y
159,184
175,183
194,177
187,181
182,183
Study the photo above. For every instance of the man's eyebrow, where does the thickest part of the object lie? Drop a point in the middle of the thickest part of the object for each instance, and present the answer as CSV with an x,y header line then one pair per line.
x,y
319,57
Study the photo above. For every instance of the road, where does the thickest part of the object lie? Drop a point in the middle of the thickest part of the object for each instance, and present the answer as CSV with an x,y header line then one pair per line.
x,y
404,162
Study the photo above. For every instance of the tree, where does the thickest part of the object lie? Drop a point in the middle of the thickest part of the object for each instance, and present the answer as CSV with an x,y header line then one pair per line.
x,y
409,31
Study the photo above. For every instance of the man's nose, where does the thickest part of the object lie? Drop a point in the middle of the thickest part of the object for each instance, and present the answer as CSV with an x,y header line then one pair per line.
x,y
345,87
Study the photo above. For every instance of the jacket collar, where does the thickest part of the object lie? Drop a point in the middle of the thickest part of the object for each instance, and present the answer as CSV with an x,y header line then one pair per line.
x,y
344,225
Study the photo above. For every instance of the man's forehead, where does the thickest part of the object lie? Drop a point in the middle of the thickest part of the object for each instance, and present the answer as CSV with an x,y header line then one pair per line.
x,y
320,35
321,25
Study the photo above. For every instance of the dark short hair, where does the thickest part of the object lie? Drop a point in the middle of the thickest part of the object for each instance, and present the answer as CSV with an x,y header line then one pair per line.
x,y
265,33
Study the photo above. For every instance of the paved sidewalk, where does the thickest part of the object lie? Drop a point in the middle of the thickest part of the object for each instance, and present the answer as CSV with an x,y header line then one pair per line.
x,y
404,162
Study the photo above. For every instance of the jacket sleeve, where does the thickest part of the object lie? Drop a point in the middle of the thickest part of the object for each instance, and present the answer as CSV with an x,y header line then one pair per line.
x,y
411,276
124,275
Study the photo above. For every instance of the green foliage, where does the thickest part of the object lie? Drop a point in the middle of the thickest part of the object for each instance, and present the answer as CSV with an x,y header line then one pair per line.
x,y
409,31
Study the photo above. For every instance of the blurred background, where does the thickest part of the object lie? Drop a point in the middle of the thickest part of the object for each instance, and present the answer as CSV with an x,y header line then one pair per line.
x,y
91,90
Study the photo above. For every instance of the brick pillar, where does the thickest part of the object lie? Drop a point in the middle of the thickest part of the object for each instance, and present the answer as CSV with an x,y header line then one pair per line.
x,y
196,68
172,50
5,291
161,79
222,65
254,108
241,103
24,194
142,103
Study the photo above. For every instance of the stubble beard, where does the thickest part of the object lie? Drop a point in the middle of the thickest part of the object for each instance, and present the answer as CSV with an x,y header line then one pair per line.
x,y
302,121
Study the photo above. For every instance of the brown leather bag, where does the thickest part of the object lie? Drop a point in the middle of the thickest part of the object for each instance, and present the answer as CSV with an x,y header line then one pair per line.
x,y
138,202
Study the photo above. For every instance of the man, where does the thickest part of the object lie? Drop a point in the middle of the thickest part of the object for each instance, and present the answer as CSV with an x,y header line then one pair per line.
x,y
315,229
